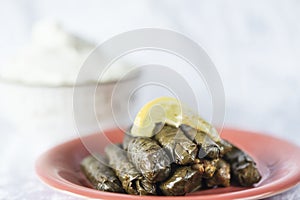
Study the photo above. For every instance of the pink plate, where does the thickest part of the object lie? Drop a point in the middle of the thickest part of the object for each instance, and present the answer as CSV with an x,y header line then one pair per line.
x,y
278,162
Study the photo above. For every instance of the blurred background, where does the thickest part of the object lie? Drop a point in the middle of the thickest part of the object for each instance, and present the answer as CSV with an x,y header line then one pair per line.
x,y
255,46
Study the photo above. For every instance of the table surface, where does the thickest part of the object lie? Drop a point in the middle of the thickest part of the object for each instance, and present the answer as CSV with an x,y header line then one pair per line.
x,y
20,149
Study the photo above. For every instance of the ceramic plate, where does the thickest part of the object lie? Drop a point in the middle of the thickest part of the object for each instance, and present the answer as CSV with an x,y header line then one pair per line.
x,y
277,160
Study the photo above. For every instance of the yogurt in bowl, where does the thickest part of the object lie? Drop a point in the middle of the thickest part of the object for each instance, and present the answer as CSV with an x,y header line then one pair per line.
x,y
38,83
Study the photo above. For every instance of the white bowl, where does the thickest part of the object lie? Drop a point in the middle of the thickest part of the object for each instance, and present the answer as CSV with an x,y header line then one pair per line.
x,y
50,109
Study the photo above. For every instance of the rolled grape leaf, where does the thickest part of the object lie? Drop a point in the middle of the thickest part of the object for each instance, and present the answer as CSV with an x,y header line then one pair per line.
x,y
180,148
225,146
207,146
222,175
100,175
184,180
132,180
243,167
149,158
206,167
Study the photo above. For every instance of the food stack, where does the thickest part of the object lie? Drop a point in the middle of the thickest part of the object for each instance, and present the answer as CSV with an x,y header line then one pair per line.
x,y
173,161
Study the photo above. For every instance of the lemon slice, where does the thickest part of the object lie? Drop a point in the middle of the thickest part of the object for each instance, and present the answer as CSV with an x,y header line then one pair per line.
x,y
171,111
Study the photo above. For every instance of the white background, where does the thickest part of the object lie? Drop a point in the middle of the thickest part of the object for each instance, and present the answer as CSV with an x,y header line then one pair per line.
x,y
255,46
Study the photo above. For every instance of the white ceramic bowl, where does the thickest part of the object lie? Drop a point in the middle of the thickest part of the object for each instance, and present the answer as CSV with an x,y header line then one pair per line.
x,y
50,109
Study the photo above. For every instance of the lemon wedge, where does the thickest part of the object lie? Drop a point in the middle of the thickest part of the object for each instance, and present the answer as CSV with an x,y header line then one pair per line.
x,y
171,111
